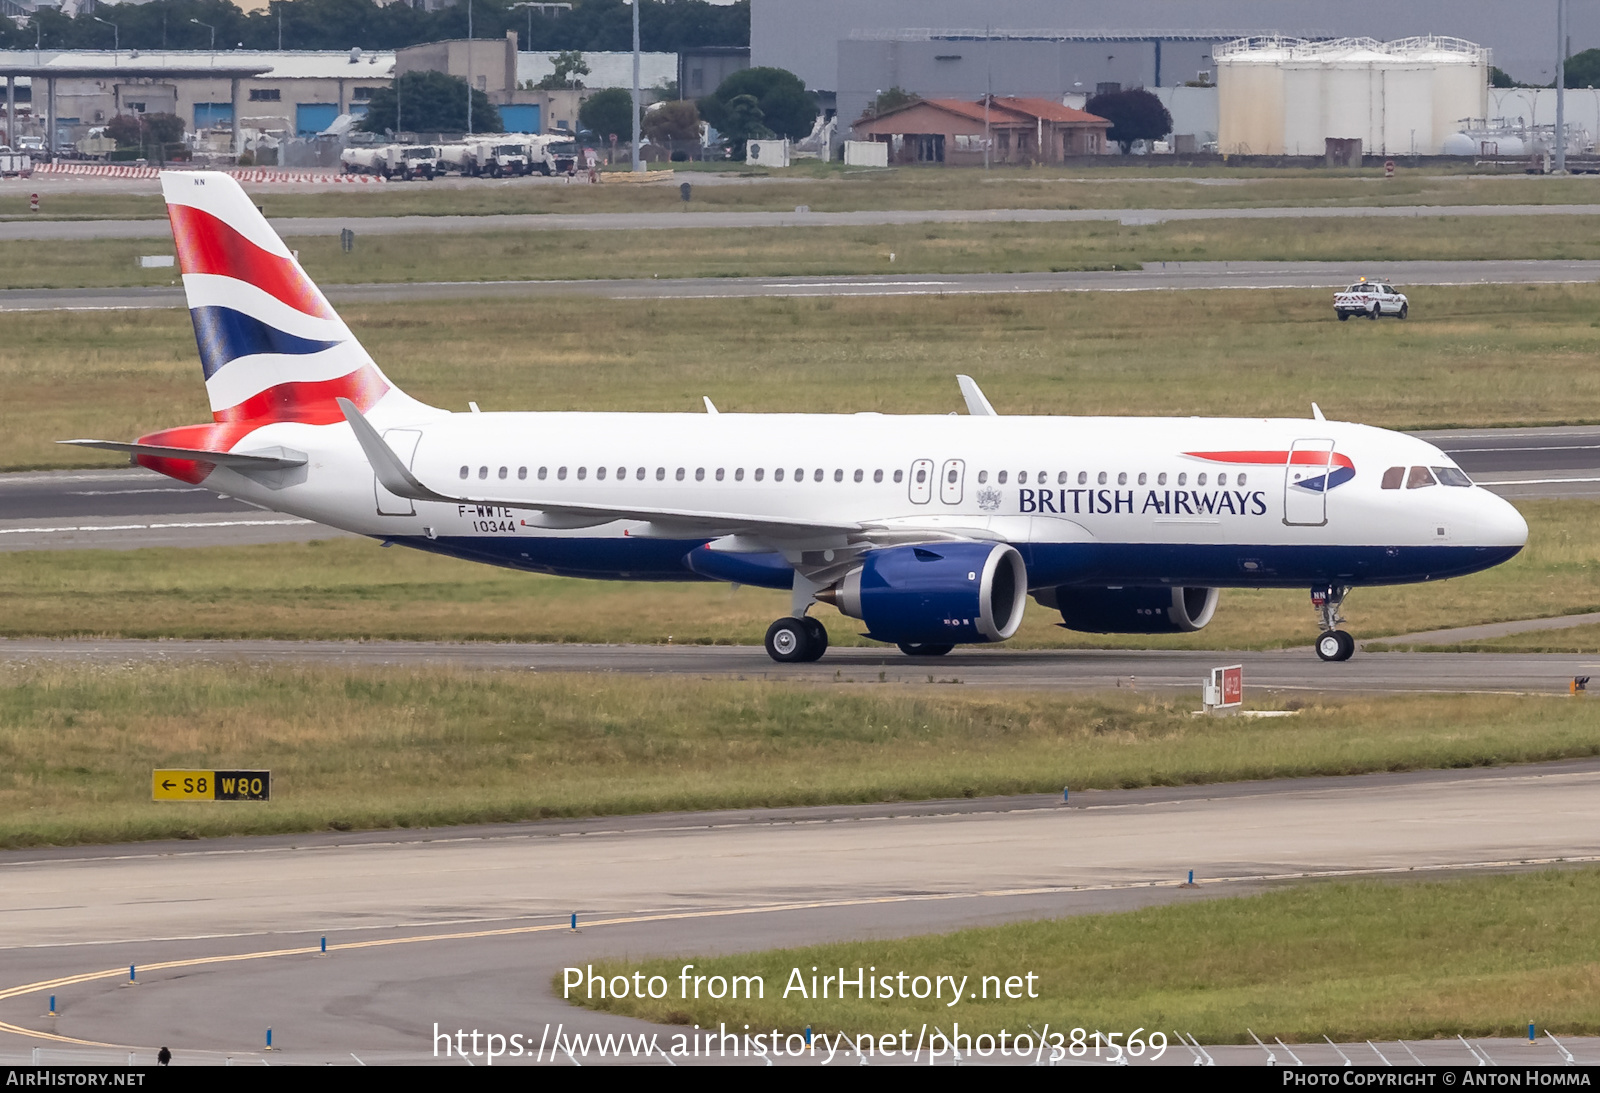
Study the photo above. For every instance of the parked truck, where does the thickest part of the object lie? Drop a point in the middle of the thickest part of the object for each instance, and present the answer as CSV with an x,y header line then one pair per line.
x,y
553,154
408,161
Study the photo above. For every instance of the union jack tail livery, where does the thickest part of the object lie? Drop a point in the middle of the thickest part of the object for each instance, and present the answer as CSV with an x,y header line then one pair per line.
x,y
271,346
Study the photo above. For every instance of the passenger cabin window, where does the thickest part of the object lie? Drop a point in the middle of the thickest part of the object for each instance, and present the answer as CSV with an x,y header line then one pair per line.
x,y
877,476
1419,478
583,472
1451,476
1161,479
1142,478
699,474
816,475
1200,479
483,472
860,475
661,474
1122,478
502,472
1001,478
1022,478
522,474
561,474
777,475
1238,480
838,476
983,476
1102,478
464,472
679,475
1083,478
1393,477
922,476
599,474
899,475
543,473
760,473
1061,479
1183,479
1222,480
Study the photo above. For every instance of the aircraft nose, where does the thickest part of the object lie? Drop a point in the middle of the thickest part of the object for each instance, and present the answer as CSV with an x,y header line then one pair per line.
x,y
1499,522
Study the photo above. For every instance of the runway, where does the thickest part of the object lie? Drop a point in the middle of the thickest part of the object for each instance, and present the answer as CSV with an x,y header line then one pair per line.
x,y
466,927
1156,276
305,226
128,508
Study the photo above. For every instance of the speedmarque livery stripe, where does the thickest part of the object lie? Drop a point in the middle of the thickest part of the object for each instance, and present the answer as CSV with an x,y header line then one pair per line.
x,y
224,334
208,245
1343,468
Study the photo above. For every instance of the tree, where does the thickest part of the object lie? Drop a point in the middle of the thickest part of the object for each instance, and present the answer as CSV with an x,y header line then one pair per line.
x,y
784,106
1499,78
430,101
1134,115
1583,69
607,112
892,99
672,121
569,66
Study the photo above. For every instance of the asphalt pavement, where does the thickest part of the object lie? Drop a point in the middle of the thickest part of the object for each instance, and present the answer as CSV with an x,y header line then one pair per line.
x,y
687,217
1156,276
467,927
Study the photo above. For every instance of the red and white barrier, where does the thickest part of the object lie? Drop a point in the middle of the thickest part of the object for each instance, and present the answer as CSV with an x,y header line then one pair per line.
x,y
243,174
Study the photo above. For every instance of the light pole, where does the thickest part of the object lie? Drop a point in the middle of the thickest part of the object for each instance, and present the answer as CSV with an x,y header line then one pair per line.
x,y
469,66
527,43
213,31
1561,87
116,38
638,164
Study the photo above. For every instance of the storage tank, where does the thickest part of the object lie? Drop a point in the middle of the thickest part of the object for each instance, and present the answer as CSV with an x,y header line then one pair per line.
x,y
1287,95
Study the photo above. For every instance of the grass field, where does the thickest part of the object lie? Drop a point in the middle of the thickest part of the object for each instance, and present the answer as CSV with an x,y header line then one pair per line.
x,y
1353,961
380,747
125,373
769,252
834,188
353,588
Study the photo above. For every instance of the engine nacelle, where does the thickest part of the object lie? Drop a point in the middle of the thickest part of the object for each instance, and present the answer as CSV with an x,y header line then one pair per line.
x,y
1173,610
939,594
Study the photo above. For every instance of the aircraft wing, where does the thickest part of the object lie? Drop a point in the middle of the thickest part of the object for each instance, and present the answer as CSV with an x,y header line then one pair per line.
x,y
397,478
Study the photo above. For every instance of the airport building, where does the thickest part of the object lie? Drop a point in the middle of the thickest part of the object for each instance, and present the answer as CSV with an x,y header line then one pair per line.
x,y
849,50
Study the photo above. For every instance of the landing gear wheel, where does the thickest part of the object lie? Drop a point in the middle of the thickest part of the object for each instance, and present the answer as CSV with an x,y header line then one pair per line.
x,y
924,649
1335,645
817,636
788,641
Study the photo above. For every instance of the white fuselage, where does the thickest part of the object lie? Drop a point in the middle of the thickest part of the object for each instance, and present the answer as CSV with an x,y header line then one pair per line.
x,y
1087,500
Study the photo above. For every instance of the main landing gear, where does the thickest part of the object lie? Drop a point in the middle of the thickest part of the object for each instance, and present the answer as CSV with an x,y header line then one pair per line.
x,y
793,640
1333,644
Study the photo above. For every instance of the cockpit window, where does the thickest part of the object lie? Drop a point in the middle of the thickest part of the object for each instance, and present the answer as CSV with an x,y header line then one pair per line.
x,y
1393,477
1418,478
1451,476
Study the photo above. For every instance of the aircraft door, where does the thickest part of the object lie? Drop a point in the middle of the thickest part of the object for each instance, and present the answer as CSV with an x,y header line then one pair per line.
x,y
951,477
922,482
404,443
1305,483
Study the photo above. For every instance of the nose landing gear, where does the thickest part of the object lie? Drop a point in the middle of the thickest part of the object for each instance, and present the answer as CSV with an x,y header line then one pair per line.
x,y
1332,644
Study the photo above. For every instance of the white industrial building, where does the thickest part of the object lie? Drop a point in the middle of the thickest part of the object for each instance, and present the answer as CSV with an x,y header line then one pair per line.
x,y
1288,96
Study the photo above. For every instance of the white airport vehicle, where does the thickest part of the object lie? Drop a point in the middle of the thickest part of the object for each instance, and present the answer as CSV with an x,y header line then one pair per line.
x,y
930,529
1370,298
553,154
407,161
14,163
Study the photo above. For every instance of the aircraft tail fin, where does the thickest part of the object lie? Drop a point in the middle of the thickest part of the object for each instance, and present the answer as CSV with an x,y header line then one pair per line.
x,y
271,346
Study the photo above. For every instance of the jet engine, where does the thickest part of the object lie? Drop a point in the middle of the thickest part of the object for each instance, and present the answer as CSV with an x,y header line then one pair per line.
x,y
941,594
1170,610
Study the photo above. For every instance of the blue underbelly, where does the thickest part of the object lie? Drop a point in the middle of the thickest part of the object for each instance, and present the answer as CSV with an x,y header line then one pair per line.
x,y
1049,564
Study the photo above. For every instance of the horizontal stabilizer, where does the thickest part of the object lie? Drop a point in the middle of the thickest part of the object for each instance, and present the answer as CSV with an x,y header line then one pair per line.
x,y
264,459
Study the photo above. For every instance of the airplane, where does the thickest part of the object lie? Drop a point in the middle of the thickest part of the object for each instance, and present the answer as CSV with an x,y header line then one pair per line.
x,y
930,529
